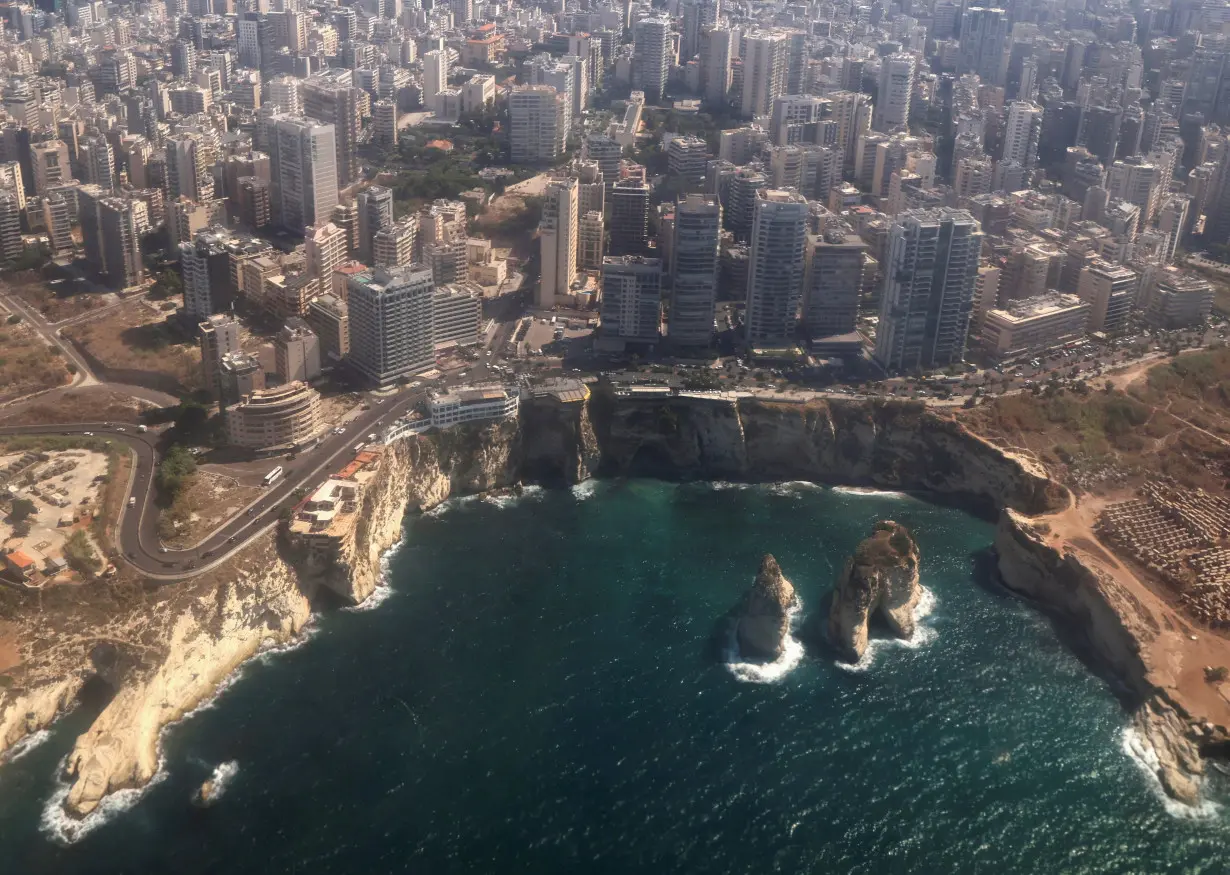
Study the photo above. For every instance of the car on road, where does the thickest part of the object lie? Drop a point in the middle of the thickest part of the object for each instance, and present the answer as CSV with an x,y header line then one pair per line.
x,y
163,550
88,433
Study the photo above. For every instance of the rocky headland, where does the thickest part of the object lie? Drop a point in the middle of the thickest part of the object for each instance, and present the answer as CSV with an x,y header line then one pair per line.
x,y
165,650
762,619
879,581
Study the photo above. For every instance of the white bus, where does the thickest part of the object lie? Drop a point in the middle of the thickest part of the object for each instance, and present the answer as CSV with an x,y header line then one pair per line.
x,y
273,476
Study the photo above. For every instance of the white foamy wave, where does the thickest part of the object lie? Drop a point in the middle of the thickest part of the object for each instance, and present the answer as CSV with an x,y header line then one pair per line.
x,y
1141,752
60,827
450,504
923,635
24,746
504,500
868,491
792,487
381,594
724,485
309,631
766,672
585,489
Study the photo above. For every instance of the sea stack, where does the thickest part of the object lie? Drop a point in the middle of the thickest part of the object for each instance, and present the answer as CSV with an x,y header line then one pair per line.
x,y
881,576
762,620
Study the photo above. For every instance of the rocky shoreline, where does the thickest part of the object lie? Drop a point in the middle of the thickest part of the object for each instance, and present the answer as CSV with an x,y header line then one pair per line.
x,y
265,595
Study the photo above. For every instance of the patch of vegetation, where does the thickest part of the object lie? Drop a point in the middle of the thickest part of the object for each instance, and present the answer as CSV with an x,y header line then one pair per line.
x,y
22,509
51,443
169,284
80,555
175,472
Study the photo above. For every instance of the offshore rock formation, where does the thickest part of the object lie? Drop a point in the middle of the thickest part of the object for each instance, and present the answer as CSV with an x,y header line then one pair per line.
x,y
762,619
881,578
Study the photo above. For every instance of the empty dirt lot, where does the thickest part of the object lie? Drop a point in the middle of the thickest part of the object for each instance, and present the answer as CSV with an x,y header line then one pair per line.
x,y
27,363
134,343
57,300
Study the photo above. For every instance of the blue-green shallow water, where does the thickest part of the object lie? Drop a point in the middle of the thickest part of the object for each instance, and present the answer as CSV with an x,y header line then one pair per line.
x,y
539,694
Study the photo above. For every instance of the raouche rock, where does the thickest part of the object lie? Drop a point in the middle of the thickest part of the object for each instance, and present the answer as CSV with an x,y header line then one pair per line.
x,y
763,618
881,576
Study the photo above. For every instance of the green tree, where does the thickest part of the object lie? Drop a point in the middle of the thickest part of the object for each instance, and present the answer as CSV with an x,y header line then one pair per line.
x,y
79,555
22,509
191,420
178,467
168,284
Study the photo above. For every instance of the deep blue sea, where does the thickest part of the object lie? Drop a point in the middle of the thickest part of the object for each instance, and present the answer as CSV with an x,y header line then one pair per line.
x,y
538,692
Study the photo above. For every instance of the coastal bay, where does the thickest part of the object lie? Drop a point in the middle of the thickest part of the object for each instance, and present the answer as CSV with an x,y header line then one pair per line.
x,y
554,700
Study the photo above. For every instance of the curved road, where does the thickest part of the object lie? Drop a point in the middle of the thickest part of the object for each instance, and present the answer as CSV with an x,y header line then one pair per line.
x,y
137,529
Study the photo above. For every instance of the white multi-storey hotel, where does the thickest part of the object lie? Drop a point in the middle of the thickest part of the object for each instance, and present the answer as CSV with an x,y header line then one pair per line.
x,y
473,404
391,322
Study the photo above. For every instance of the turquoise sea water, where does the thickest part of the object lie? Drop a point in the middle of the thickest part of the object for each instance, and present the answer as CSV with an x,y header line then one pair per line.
x,y
540,693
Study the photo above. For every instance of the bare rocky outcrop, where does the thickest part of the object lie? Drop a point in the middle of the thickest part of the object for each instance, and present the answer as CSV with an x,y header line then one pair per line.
x,y
880,579
762,619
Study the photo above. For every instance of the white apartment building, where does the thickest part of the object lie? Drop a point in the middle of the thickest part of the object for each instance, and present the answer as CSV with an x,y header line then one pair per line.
x,y
694,270
1110,290
297,352
538,124
764,71
892,104
558,238
273,420
1032,325
651,61
303,162
631,299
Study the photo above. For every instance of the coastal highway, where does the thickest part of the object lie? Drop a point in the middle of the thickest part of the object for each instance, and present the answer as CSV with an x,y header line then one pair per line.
x,y
137,530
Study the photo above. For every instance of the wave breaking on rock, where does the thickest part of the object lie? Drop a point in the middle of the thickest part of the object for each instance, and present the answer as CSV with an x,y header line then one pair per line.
x,y
879,580
759,646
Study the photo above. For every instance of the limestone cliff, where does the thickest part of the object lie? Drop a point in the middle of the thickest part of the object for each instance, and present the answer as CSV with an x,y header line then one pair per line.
x,y
762,620
896,445
416,474
1124,635
206,641
177,643
880,579
557,445
25,711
